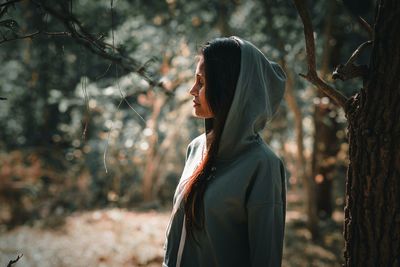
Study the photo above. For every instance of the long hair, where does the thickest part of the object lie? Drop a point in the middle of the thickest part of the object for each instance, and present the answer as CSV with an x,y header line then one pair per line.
x,y
222,67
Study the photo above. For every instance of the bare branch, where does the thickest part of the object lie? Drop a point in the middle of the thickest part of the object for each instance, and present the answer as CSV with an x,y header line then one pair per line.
x,y
312,75
366,26
93,43
19,37
11,262
357,52
31,35
350,70
97,46
6,5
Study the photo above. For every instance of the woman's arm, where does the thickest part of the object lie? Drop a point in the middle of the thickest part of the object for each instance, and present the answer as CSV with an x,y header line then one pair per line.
x,y
266,208
266,229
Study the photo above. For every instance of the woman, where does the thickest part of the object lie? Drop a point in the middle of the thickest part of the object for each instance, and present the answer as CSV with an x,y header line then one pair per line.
x,y
230,203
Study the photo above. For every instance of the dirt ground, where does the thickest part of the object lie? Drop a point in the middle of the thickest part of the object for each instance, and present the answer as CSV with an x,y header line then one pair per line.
x,y
117,237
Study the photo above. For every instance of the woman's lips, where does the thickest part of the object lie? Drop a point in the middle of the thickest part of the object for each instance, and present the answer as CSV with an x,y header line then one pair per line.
x,y
195,103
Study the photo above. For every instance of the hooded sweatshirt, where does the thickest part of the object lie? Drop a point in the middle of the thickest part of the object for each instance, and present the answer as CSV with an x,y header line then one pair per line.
x,y
245,199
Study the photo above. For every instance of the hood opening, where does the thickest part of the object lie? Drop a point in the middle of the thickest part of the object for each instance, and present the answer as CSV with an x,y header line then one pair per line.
x,y
259,91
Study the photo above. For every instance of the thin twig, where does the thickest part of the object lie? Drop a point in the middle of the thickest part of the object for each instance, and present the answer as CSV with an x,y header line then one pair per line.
x,y
116,73
10,2
123,97
11,262
93,43
358,51
366,26
312,75
102,75
86,100
96,45
6,6
350,70
108,139
19,37
31,35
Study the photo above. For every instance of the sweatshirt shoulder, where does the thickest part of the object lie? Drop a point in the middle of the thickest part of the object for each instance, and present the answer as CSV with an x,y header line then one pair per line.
x,y
267,184
271,162
195,145
267,155
197,141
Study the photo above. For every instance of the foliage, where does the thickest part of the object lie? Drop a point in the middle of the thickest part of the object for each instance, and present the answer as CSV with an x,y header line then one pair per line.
x,y
70,114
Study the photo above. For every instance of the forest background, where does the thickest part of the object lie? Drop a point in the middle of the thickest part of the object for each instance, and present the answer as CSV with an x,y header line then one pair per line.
x,y
93,138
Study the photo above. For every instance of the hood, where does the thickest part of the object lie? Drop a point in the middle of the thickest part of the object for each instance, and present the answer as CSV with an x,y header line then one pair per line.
x,y
259,91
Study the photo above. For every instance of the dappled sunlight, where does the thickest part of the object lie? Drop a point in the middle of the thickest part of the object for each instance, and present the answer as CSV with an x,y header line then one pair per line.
x,y
119,237
111,237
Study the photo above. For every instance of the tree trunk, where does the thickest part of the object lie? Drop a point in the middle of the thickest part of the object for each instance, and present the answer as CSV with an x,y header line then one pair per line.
x,y
372,212
222,8
152,151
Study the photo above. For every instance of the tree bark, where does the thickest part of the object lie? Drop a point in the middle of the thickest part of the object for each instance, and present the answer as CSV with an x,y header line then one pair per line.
x,y
372,212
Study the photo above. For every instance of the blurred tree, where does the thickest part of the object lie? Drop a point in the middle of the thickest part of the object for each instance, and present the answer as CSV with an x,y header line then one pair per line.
x,y
278,25
122,34
224,11
326,145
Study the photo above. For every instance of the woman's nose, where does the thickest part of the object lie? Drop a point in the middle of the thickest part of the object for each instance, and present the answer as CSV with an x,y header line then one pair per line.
x,y
193,91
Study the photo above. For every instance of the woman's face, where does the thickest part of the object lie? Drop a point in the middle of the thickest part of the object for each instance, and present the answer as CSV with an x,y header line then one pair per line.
x,y
200,104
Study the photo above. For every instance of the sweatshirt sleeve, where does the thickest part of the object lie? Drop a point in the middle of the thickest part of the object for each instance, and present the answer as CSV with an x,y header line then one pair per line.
x,y
188,151
266,208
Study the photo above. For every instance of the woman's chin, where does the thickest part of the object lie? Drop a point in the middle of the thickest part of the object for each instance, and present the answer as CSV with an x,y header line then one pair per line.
x,y
197,115
201,116
200,113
